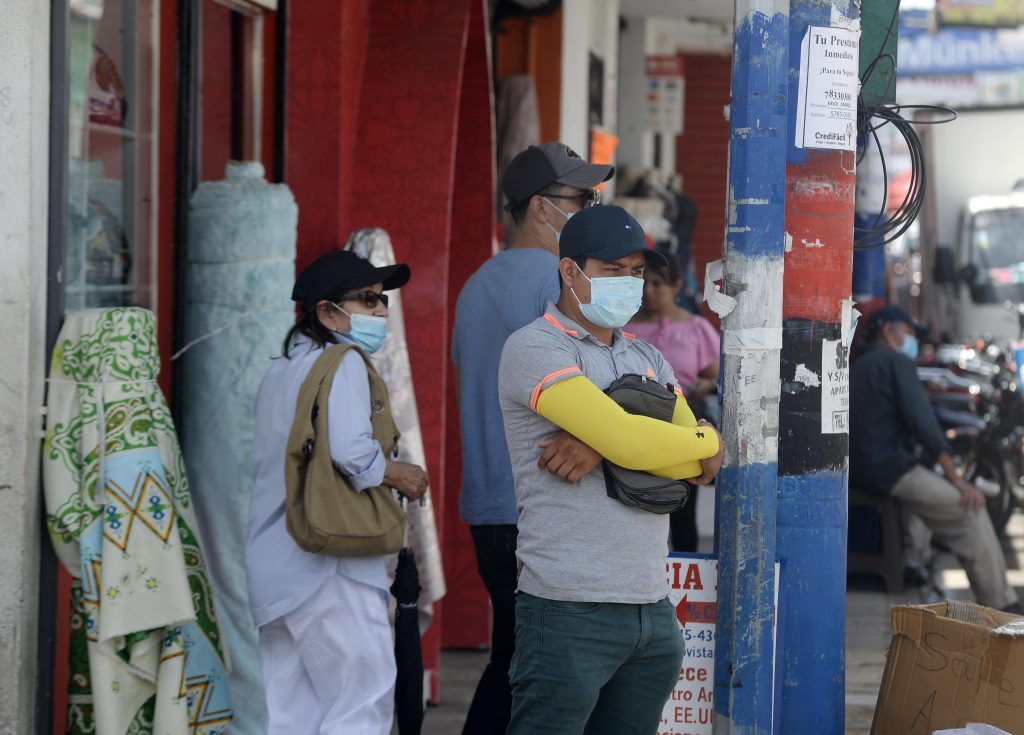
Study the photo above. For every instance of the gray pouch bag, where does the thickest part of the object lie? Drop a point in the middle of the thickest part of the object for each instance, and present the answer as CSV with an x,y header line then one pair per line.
x,y
644,397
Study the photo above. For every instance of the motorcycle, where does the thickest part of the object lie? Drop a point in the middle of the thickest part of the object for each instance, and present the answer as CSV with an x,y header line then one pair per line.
x,y
976,395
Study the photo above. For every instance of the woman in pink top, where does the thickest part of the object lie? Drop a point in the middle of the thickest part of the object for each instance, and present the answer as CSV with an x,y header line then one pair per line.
x,y
691,345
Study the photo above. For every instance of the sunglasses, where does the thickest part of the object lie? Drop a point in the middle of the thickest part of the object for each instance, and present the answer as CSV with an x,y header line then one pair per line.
x,y
369,298
587,199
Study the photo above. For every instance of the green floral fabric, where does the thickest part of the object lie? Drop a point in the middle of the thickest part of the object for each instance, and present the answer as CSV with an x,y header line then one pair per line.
x,y
146,651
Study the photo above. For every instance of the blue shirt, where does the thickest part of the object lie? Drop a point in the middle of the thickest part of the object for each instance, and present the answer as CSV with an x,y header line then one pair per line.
x,y
505,294
281,575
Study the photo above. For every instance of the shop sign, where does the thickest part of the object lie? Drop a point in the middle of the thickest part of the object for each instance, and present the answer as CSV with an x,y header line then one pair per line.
x,y
959,51
665,87
992,13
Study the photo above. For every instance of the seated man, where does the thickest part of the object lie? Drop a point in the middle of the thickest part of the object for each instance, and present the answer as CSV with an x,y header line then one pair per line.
x,y
597,642
889,416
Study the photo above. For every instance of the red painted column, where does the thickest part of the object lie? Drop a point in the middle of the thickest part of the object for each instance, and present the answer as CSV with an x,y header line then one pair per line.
x,y
326,52
702,155
402,179
390,124
467,617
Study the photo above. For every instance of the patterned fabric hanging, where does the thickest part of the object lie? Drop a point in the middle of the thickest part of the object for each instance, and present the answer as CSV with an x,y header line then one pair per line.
x,y
146,651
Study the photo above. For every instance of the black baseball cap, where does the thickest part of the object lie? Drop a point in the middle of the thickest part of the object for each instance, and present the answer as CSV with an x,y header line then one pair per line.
x,y
605,232
539,166
343,270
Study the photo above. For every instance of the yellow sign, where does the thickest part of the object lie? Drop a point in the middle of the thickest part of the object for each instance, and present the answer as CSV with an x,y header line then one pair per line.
x,y
987,13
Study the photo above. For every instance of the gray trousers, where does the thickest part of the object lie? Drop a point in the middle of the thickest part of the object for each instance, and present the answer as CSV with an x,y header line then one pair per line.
x,y
968,533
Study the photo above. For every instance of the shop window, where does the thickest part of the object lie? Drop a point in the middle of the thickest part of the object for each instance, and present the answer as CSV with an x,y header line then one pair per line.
x,y
231,87
110,251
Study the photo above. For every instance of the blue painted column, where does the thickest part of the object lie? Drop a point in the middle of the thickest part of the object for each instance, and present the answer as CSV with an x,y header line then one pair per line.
x,y
751,339
813,439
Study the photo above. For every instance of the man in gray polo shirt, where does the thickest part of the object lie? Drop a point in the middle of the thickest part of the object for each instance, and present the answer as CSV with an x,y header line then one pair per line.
x,y
596,638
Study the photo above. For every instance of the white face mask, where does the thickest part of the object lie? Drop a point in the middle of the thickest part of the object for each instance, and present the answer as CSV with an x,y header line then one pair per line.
x,y
558,233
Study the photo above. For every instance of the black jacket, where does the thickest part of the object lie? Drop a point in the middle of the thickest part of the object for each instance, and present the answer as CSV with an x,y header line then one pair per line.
x,y
890,416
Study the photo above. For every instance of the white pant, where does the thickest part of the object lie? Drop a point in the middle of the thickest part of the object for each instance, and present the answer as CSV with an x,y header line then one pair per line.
x,y
329,665
967,533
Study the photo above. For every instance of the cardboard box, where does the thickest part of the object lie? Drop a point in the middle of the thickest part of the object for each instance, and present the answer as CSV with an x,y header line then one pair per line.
x,y
947,666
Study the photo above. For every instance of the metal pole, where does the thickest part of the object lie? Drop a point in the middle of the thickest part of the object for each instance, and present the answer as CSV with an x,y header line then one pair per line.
x,y
753,262
813,438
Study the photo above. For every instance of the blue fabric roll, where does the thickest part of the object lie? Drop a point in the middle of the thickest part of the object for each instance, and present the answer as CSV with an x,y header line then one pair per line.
x,y
241,256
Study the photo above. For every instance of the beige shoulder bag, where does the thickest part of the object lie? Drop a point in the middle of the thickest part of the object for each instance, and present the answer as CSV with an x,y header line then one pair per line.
x,y
324,514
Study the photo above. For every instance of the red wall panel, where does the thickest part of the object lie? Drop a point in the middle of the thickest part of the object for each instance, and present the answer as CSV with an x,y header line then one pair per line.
x,y
702,153
326,46
467,619
385,130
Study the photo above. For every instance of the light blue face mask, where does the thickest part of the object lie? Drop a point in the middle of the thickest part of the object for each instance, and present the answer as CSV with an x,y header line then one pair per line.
x,y
613,300
558,233
369,332
909,346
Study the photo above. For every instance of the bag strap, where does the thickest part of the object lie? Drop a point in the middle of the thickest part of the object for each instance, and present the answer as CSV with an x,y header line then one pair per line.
x,y
327,364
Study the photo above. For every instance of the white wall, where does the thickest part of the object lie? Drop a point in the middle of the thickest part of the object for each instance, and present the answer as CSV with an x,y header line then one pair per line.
x,y
587,26
635,147
577,23
24,126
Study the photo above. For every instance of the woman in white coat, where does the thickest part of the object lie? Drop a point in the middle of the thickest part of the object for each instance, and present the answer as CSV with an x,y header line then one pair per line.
x,y
325,638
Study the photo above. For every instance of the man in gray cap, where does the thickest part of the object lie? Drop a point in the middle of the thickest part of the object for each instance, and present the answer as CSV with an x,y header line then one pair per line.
x,y
545,185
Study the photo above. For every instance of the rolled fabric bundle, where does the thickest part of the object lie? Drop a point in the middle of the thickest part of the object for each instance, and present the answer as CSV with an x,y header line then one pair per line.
x,y
241,266
147,653
392,362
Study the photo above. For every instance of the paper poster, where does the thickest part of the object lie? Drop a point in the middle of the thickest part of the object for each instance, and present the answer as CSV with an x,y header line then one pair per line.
x,y
693,589
835,387
826,112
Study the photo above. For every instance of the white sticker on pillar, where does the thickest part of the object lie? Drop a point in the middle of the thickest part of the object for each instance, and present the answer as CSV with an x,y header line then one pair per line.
x,y
835,387
826,111
848,321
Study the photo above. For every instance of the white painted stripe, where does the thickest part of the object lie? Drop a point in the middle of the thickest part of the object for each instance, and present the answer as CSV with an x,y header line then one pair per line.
x,y
752,338
758,338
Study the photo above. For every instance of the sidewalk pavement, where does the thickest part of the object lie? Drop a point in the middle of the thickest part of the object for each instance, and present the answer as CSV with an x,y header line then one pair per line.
x,y
867,637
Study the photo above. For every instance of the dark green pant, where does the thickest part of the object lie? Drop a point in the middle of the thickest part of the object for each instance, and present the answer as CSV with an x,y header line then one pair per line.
x,y
602,668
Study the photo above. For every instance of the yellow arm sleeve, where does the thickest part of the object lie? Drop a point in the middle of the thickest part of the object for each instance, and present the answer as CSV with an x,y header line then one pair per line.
x,y
634,442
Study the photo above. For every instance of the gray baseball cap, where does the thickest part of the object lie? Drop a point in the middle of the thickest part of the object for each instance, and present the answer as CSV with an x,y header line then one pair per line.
x,y
540,166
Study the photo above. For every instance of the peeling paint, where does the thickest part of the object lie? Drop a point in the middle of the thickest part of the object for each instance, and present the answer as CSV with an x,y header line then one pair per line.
x,y
816,244
788,243
805,376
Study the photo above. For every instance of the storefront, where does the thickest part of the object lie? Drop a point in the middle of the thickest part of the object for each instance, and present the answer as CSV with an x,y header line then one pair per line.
x,y
149,98
388,122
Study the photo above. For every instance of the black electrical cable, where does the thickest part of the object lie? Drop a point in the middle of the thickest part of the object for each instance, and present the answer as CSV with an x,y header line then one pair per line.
x,y
870,119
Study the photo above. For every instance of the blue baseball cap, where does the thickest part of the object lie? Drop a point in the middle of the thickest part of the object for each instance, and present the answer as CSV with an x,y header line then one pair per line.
x,y
605,232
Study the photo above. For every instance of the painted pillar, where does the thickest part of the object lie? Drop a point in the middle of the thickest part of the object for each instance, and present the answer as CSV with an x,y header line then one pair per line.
x,y
813,438
467,607
753,262
403,180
